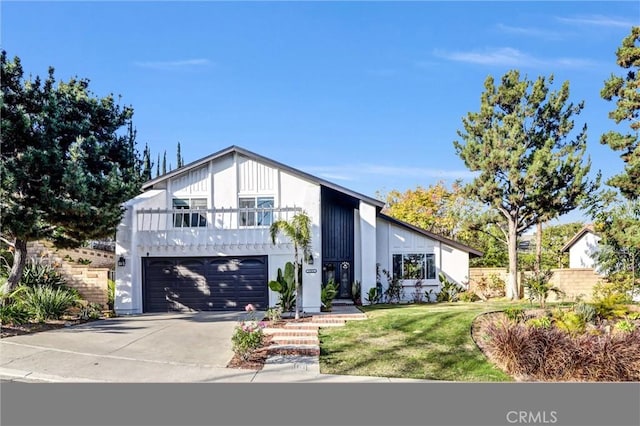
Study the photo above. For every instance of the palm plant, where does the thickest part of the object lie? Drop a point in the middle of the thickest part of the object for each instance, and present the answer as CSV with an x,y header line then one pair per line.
x,y
298,230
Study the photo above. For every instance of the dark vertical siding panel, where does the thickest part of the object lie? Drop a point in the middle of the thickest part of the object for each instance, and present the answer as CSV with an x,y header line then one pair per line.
x,y
337,226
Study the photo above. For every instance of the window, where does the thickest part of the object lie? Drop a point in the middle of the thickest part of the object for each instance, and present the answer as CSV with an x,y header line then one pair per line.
x,y
191,219
414,266
256,211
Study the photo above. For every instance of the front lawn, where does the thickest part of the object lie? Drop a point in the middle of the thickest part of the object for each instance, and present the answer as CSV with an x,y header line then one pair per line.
x,y
428,341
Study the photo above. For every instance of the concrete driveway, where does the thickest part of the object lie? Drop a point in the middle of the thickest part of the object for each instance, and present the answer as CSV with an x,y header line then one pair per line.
x,y
190,347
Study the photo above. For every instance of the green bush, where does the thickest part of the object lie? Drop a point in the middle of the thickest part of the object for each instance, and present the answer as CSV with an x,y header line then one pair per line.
x,y
540,322
538,287
111,294
625,326
586,311
611,305
468,296
449,291
274,314
514,314
37,273
620,284
45,302
286,287
373,296
248,335
571,322
90,311
14,313
328,293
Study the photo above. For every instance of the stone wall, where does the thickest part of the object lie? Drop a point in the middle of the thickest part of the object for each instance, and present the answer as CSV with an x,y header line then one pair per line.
x,y
574,282
91,281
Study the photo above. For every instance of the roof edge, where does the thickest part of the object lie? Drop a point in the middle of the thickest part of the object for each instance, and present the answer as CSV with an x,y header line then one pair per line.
x,y
432,235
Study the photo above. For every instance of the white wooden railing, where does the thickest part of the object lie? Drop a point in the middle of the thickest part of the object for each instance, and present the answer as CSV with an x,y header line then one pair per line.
x,y
209,227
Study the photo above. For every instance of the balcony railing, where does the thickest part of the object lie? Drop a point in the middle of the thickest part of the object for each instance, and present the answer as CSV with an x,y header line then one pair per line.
x,y
209,227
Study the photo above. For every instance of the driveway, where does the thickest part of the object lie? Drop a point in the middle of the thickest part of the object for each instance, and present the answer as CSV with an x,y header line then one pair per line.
x,y
191,347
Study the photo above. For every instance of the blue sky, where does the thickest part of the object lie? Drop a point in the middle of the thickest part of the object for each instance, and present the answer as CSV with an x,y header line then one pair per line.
x,y
369,95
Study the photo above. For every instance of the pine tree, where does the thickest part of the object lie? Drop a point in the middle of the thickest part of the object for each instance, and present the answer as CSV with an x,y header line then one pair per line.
x,y
61,178
530,167
626,91
164,163
158,166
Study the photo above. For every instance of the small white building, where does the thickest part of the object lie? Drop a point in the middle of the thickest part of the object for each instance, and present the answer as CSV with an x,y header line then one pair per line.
x,y
583,248
198,238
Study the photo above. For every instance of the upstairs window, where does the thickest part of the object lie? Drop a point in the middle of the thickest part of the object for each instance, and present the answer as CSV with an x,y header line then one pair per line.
x,y
414,266
190,219
256,211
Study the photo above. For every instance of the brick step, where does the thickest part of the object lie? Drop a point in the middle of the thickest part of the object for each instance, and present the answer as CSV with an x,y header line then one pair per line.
x,y
295,340
309,350
290,332
314,325
321,320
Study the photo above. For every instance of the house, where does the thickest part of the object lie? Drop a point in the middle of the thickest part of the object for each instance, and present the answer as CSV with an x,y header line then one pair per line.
x,y
198,238
583,248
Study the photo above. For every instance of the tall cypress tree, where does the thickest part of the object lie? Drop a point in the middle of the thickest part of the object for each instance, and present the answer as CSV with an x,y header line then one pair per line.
x,y
146,163
179,156
164,163
531,167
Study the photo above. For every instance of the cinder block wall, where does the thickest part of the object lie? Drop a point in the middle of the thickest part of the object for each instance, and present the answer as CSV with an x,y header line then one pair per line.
x,y
90,281
574,282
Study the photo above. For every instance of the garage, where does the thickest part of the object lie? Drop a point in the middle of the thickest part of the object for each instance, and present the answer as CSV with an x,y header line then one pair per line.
x,y
204,283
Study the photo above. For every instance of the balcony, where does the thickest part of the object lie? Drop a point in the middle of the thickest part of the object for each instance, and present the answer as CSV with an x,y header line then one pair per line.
x,y
222,228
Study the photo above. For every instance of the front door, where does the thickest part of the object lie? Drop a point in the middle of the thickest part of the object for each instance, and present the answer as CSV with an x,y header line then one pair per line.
x,y
340,272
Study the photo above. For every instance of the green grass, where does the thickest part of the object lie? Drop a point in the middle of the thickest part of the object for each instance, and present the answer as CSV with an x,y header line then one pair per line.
x,y
430,341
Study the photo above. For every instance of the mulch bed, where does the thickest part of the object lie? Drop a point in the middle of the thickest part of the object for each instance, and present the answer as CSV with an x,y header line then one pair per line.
x,y
30,328
259,357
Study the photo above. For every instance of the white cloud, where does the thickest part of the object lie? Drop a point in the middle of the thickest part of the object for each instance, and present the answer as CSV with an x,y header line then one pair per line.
x,y
362,171
598,20
174,65
510,57
531,32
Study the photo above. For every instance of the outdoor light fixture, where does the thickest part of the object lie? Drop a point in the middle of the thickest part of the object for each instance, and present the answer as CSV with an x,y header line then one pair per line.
x,y
310,258
122,261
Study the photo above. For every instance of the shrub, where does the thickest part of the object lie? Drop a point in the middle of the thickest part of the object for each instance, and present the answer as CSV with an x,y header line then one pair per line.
x,y
274,314
468,296
610,306
373,296
571,322
286,287
625,326
395,291
618,283
248,335
540,322
14,313
449,290
356,292
90,311
550,354
111,293
38,273
46,302
514,314
328,293
586,311
539,287
492,286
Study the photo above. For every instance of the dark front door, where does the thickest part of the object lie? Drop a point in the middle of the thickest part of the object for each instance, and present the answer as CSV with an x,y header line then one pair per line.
x,y
342,274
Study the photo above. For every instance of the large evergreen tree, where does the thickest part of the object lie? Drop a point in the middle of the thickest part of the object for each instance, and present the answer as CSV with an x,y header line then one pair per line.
x,y
146,163
68,162
626,92
531,166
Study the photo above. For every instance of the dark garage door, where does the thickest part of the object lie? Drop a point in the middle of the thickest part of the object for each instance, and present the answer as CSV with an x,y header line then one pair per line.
x,y
204,283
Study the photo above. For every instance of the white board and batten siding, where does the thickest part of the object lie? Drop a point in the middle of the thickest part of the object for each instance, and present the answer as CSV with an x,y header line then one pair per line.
x,y
393,239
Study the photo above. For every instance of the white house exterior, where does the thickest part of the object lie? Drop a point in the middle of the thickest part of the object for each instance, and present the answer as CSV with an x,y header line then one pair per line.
x,y
583,248
198,238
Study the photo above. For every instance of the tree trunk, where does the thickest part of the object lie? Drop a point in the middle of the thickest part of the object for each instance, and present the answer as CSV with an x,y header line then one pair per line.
x,y
298,289
538,264
19,260
512,292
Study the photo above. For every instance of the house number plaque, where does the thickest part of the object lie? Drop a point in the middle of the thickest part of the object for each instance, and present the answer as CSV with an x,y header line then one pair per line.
x,y
311,271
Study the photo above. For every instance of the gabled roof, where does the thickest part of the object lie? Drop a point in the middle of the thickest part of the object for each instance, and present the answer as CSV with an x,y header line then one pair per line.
x,y
252,155
431,235
580,234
